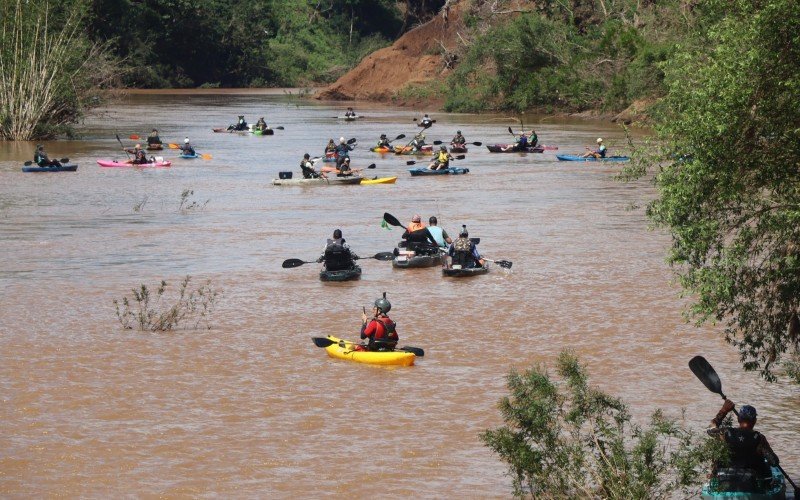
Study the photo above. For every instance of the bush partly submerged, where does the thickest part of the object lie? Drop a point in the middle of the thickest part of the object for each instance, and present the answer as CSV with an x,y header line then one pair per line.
x,y
152,311
573,441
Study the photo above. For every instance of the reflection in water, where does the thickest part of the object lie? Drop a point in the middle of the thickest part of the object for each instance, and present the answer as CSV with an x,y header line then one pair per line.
x,y
252,406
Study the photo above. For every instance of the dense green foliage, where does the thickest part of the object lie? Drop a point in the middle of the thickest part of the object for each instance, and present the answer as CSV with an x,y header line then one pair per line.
x,y
187,43
570,440
730,190
574,55
49,69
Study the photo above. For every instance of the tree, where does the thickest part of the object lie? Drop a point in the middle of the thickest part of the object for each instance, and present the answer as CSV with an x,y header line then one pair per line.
x,y
730,192
581,443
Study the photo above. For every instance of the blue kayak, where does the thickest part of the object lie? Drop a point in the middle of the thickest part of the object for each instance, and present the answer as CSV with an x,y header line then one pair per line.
x,y
447,171
189,157
67,167
591,158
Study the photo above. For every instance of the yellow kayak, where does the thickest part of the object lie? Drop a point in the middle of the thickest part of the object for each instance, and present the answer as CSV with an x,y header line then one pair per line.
x,y
343,349
379,180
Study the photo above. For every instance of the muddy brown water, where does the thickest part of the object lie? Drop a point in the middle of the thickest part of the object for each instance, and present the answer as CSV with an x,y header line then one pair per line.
x,y
252,407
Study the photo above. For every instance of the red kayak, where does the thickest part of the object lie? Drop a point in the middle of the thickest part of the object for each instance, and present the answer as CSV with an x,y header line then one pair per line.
x,y
114,163
509,148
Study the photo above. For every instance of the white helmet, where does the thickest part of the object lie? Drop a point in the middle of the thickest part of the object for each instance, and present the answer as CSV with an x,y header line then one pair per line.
x,y
186,141
599,140
341,140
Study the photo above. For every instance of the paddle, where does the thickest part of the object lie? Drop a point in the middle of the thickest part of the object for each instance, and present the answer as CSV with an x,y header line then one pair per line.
x,y
413,162
703,370
477,143
324,342
123,147
505,264
204,156
28,163
392,220
289,263
337,171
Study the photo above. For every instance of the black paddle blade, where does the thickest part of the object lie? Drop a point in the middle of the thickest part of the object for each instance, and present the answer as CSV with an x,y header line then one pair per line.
x,y
477,143
436,143
506,264
280,128
510,131
288,263
416,350
64,160
391,219
322,341
383,256
371,165
705,372
411,162
459,157
351,141
401,136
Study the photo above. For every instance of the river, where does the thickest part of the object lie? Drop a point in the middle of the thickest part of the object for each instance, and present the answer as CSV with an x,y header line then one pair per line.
x,y
251,407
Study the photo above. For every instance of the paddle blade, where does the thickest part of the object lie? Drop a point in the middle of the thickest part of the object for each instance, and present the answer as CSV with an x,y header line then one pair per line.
x,y
383,256
401,136
206,156
510,131
352,141
459,157
134,137
28,163
416,350
280,128
705,372
436,143
477,143
506,264
322,341
64,160
289,263
371,165
173,146
391,219
411,162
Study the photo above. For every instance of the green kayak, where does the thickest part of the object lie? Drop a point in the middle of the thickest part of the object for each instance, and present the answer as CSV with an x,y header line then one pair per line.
x,y
772,489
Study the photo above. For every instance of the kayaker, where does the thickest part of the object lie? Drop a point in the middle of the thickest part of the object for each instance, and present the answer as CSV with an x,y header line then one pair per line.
x,y
261,124
350,113
521,143
331,147
380,331
533,139
417,142
342,152
240,125
187,148
139,155
344,168
40,158
439,234
308,168
426,121
153,139
384,142
750,453
464,252
600,152
458,141
337,255
441,160
416,224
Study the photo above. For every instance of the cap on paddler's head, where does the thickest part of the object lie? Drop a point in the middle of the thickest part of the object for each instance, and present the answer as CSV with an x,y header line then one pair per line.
x,y
416,218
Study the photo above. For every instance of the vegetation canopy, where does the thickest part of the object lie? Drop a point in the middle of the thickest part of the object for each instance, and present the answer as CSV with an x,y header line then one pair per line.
x,y
729,177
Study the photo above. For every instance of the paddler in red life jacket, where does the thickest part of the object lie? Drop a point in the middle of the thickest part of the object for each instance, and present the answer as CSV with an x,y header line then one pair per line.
x,y
380,331
750,453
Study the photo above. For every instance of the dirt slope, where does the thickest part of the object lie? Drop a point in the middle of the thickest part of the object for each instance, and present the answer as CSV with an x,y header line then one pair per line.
x,y
415,57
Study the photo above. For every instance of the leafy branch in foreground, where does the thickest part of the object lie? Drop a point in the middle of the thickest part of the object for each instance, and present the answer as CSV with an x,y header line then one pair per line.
x,y
571,440
151,311
728,178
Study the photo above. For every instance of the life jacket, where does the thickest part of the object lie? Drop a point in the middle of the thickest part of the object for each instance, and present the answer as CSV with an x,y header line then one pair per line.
x,y
308,170
438,235
40,159
743,444
140,157
444,158
523,142
343,150
153,139
385,337
462,253
602,151
459,139
337,257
